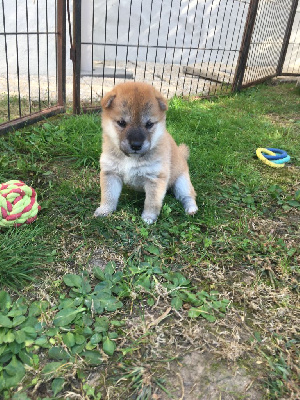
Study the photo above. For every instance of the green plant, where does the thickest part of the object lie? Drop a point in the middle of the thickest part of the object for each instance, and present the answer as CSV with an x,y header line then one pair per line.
x,y
147,274
77,327
140,380
240,196
19,330
90,392
286,201
278,375
75,330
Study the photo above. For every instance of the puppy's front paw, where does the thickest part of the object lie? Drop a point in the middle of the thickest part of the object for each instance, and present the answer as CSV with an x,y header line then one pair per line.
x,y
191,208
149,218
102,211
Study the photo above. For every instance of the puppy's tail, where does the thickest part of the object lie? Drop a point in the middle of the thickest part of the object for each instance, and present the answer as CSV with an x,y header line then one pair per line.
x,y
184,150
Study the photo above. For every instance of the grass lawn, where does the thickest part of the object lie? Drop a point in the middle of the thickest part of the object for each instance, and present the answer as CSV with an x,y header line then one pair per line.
x,y
203,307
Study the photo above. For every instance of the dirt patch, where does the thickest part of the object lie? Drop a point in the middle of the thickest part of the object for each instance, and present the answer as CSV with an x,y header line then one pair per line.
x,y
102,256
199,376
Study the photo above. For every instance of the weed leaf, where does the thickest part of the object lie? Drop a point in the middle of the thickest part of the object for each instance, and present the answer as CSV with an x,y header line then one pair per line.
x,y
109,347
5,322
109,268
86,287
101,324
51,367
20,396
25,357
73,280
96,338
66,316
209,317
58,353
57,385
18,320
194,312
30,332
15,372
5,300
20,336
152,249
98,273
37,308
293,203
92,357
176,303
69,339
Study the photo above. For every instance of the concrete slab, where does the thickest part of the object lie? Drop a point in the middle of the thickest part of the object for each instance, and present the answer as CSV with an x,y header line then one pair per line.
x,y
210,73
287,79
109,72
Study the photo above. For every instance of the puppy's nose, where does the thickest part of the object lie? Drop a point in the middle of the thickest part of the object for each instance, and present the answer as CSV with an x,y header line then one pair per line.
x,y
136,138
136,145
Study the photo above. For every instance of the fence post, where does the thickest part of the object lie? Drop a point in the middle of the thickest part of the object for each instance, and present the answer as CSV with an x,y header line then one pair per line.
x,y
245,45
287,36
76,55
61,52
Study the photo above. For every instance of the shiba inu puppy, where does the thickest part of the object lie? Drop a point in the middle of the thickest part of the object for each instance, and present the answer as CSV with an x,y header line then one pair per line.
x,y
138,151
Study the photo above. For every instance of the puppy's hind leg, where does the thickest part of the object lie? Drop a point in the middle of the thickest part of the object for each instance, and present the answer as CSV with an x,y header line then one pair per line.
x,y
185,193
111,186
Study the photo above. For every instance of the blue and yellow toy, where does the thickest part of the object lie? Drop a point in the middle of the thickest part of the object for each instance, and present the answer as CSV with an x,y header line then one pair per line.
x,y
275,158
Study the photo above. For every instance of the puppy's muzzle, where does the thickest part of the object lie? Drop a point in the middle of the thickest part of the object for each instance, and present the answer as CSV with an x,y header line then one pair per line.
x,y
136,142
136,138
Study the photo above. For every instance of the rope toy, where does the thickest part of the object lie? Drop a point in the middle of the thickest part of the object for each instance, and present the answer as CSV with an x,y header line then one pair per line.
x,y
18,204
275,158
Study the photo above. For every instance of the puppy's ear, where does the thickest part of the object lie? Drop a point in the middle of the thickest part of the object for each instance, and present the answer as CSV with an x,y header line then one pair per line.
x,y
163,104
107,100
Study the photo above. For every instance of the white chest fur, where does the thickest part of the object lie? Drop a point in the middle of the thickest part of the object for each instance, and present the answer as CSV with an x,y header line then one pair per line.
x,y
133,170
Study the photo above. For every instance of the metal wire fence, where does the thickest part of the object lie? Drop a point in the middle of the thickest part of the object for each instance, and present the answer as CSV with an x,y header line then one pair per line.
x,y
291,62
32,65
269,40
182,47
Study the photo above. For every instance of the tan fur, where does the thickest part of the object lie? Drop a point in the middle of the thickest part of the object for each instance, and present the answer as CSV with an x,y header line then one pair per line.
x,y
136,153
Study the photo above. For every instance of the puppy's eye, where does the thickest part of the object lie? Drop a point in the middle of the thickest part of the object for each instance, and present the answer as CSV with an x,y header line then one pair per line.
x,y
149,125
121,123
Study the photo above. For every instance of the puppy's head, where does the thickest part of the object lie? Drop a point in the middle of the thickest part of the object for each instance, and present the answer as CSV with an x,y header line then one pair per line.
x,y
134,117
